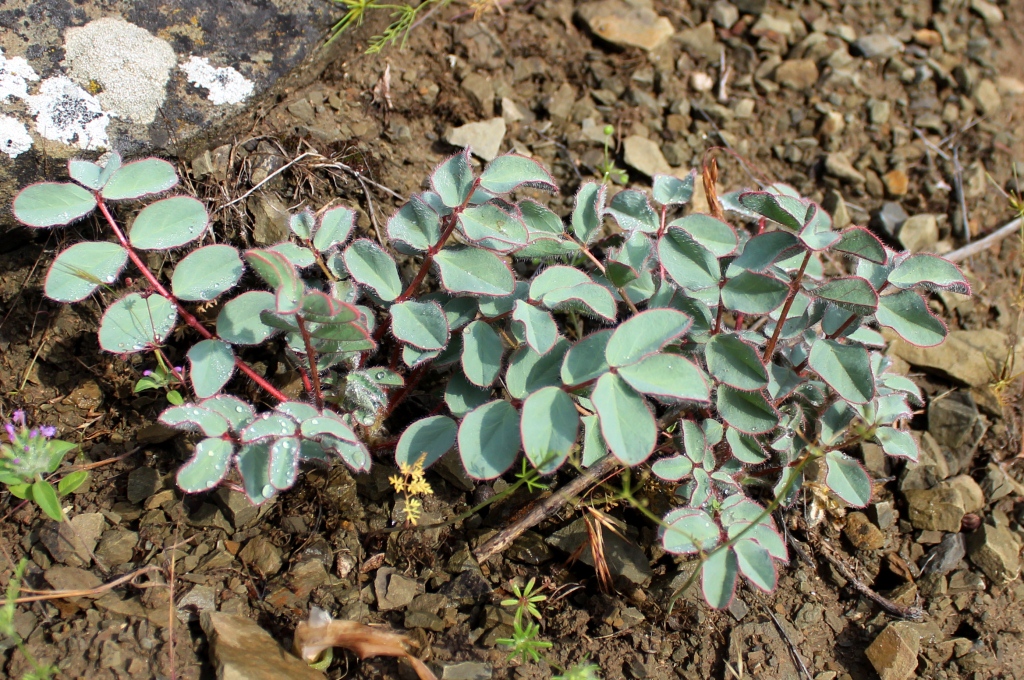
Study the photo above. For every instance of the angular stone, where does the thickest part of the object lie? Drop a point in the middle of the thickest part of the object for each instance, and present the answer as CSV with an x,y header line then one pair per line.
x,y
645,155
481,92
196,601
896,182
946,556
996,552
835,205
797,74
270,219
626,24
701,42
239,510
262,555
559,104
998,483
117,547
877,46
72,578
143,482
466,670
894,652
955,423
970,492
862,533
965,356
919,233
394,591
70,542
483,138
241,650
838,165
986,95
940,509
989,12
723,13
889,218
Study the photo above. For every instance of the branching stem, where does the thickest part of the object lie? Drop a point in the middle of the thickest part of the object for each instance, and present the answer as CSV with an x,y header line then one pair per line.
x,y
185,314
794,287
314,373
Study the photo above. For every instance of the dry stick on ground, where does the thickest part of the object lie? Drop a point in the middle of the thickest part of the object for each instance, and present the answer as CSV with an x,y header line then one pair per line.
x,y
828,552
63,594
976,247
550,506
792,647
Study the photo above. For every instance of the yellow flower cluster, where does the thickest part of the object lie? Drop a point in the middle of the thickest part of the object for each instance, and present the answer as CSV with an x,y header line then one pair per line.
x,y
411,482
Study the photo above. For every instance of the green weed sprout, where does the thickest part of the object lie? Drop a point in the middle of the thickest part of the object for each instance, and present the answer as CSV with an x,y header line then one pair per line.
x,y
30,455
39,671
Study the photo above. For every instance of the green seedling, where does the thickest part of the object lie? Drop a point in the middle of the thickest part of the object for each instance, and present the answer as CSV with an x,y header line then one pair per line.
x,y
609,171
30,455
9,631
163,377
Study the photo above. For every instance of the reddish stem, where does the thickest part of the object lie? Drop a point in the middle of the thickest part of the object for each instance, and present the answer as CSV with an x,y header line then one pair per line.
x,y
185,314
314,374
794,286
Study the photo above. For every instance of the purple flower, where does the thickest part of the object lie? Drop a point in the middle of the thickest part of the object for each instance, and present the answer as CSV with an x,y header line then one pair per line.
x,y
147,373
178,369
19,417
16,461
48,431
33,433
10,432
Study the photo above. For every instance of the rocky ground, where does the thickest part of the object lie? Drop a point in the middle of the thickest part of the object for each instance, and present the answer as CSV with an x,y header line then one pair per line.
x,y
904,116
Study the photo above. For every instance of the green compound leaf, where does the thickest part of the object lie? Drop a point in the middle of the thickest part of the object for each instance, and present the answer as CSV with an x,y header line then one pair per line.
x,y
735,362
328,424
195,418
528,371
585,361
507,173
540,220
861,243
591,299
672,469
50,204
764,250
626,421
83,268
744,447
299,256
169,223
718,578
207,273
280,274
549,427
907,313
235,411
335,227
554,278
817,234
135,323
753,293
786,210
667,375
416,225
474,270
284,462
239,320
748,412
594,448
930,271
46,498
669,190
644,334
632,210
540,329
756,564
897,443
354,454
207,467
491,306
493,228
86,173
690,264
212,364
481,353
420,324
427,439
689,530
712,233
588,212
489,439
846,478
302,224
462,396
453,179
138,179
460,311
268,426
852,293
371,266
846,369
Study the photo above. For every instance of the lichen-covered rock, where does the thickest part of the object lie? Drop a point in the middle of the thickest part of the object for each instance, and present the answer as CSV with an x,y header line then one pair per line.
x,y
84,78
995,551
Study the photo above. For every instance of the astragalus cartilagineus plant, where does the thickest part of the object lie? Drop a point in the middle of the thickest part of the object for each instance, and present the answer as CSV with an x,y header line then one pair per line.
x,y
721,355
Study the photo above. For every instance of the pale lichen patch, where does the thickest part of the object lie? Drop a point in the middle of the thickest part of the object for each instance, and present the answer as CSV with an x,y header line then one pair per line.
x,y
15,73
68,114
225,84
130,65
14,137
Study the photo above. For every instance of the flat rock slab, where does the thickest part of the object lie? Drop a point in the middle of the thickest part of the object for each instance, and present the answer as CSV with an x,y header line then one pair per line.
x,y
138,77
241,650
626,24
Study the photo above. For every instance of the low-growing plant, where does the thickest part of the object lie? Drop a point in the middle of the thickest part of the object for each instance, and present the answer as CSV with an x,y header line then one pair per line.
x,y
724,357
8,629
29,455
